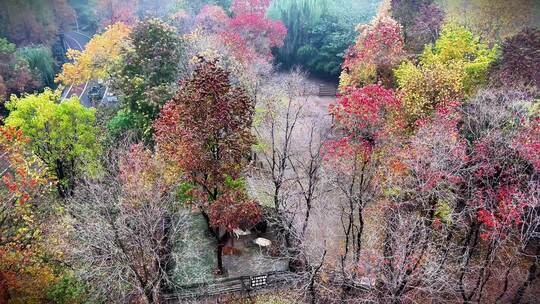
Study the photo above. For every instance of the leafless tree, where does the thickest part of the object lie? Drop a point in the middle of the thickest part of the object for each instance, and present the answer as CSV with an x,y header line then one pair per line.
x,y
124,237
281,107
307,165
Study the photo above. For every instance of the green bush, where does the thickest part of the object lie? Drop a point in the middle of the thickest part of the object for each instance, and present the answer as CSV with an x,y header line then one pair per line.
x,y
68,290
41,62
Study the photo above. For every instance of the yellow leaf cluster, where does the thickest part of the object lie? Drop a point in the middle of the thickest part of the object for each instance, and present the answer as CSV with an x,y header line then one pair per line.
x,y
450,70
361,74
98,57
424,87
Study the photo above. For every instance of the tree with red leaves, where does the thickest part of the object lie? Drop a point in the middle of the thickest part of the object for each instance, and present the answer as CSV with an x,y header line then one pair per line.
x,y
418,182
23,188
205,132
21,172
366,119
436,154
251,22
499,193
113,11
462,195
469,177
378,48
250,34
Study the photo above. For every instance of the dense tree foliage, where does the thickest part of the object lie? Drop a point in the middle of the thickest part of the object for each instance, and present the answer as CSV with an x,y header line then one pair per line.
x,y
421,21
41,62
451,69
25,274
97,59
35,21
518,61
458,186
129,224
493,20
378,48
63,134
87,19
114,11
16,76
149,69
319,32
249,33
419,182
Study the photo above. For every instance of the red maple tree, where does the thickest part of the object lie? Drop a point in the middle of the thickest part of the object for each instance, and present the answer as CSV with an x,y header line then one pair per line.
x,y
205,132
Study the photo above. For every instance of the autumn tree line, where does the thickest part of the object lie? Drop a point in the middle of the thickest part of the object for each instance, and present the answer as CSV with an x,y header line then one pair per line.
x,y
419,183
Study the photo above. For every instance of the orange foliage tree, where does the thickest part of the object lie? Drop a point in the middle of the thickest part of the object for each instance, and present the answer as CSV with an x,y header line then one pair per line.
x,y
23,184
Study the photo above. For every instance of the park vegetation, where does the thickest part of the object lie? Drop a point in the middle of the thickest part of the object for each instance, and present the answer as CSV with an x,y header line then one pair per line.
x,y
419,182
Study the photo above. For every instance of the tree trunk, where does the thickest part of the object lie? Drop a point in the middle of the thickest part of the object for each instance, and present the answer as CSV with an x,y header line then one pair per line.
x,y
221,243
531,276
149,295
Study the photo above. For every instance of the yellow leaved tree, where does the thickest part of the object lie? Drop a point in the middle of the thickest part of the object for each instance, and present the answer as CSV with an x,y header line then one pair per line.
x,y
98,57
450,70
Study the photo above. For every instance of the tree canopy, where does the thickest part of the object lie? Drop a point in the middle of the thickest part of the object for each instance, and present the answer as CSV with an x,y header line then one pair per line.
x,y
63,134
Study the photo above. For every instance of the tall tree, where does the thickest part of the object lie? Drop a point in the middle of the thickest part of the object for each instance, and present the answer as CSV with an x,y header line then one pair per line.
x,y
24,186
378,48
368,118
205,132
127,226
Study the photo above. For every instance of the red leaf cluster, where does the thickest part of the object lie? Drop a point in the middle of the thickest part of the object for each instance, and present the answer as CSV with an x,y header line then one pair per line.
x,y
379,44
234,210
21,174
365,117
205,131
249,33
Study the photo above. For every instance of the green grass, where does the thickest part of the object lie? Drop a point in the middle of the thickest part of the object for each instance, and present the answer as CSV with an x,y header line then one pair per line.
x,y
199,258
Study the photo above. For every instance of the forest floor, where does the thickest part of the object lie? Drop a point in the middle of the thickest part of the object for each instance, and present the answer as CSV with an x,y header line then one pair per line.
x,y
326,209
